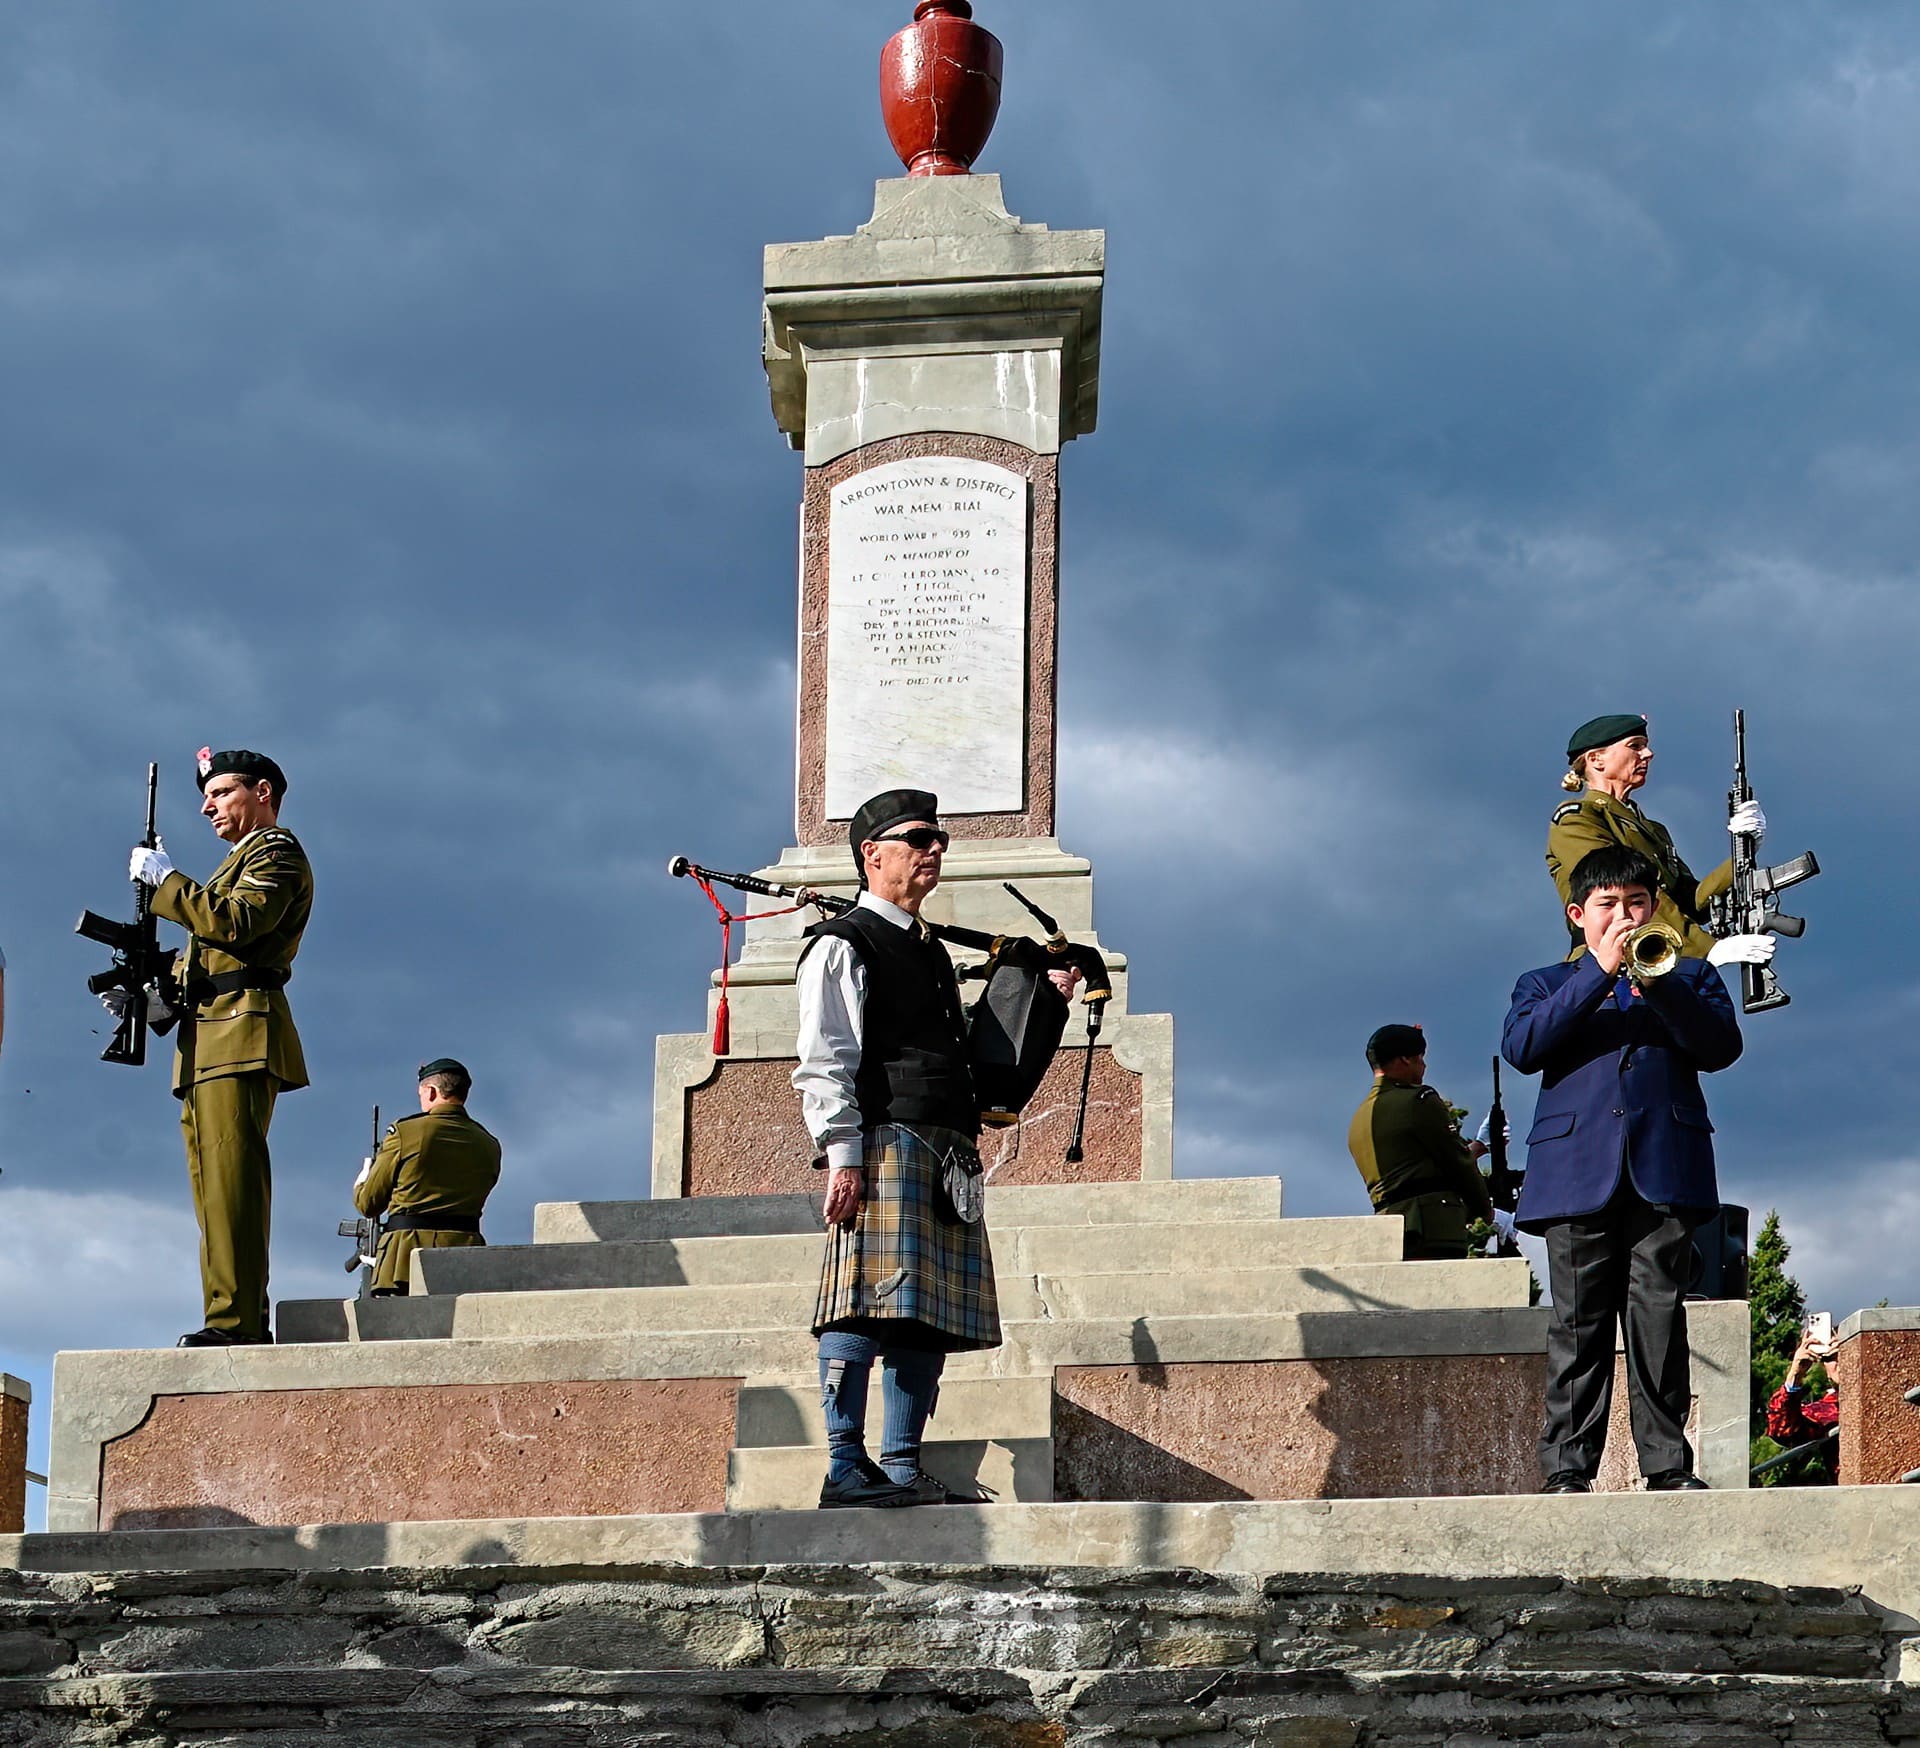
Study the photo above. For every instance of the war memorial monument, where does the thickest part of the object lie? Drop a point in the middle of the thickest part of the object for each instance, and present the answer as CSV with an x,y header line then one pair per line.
x,y
1242,1478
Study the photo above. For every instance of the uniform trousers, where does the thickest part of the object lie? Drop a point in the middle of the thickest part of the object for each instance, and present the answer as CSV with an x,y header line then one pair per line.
x,y
225,1123
393,1263
1626,1265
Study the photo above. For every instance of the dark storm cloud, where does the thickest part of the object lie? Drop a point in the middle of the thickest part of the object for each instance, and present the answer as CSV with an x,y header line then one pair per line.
x,y
384,391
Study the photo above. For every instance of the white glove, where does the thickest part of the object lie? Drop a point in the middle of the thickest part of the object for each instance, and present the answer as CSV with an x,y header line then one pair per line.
x,y
1743,950
1747,821
1503,1223
1484,1134
115,1002
149,867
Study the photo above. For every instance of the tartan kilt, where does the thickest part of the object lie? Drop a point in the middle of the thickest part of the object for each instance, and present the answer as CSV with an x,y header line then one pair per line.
x,y
906,1269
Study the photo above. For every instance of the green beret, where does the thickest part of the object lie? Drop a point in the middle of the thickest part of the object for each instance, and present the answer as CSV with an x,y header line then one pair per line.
x,y
255,767
1603,731
1391,1043
444,1065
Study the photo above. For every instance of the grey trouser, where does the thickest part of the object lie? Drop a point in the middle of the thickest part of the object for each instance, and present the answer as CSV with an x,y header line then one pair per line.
x,y
1626,1265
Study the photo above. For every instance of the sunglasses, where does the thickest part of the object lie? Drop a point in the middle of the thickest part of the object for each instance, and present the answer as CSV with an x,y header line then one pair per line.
x,y
922,837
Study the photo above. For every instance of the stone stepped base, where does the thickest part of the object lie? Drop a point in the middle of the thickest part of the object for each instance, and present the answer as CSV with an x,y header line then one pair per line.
x,y
1187,1248
1285,1627
1336,1404
990,1439
788,1412
1172,1200
1077,1298
998,1471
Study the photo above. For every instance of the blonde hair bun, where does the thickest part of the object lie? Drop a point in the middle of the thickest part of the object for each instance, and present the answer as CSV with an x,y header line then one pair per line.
x,y
1573,782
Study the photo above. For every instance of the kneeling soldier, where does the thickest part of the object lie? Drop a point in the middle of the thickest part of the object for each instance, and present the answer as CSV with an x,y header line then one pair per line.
x,y
431,1177
1411,1158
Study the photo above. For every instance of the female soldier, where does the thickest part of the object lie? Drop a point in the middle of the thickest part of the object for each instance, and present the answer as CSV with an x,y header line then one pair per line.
x,y
1608,759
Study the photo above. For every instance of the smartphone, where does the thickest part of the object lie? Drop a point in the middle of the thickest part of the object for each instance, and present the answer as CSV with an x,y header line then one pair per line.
x,y
1820,1328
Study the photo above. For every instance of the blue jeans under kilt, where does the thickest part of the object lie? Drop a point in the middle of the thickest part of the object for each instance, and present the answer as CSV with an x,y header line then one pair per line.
x,y
907,1273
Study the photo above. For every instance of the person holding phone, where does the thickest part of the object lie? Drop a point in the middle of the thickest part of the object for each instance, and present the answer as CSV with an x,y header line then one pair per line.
x,y
1798,1416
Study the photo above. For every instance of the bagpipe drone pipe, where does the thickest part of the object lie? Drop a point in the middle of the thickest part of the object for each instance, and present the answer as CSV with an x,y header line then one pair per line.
x,y
1015,1028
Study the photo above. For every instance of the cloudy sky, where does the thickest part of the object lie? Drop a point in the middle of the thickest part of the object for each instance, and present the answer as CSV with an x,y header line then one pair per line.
x,y
383,390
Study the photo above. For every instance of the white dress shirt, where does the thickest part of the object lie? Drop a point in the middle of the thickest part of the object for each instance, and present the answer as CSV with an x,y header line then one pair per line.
x,y
833,998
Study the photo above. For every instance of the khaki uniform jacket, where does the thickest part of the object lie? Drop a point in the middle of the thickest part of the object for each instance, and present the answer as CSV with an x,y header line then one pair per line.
x,y
248,917
1406,1144
433,1162
1594,819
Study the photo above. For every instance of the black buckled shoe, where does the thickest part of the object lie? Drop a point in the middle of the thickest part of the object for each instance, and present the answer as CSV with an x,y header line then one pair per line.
x,y
1675,1481
1568,1481
224,1338
870,1488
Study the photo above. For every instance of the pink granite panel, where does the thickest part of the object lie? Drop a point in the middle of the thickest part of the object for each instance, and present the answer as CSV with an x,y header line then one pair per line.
x,y
1879,1429
423,1453
745,1136
1394,1427
13,1465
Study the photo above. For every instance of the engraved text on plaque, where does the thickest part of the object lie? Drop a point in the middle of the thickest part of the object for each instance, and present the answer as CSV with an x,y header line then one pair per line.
x,y
927,635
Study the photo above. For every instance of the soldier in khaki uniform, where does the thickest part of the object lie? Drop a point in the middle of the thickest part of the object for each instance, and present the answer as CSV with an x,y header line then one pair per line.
x,y
1411,1157
1609,759
238,1049
431,1178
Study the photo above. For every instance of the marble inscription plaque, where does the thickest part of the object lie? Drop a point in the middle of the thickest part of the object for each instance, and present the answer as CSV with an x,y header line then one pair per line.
x,y
927,635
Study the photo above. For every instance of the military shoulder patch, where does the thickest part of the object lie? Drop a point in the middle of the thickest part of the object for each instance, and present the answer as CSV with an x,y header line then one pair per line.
x,y
1565,811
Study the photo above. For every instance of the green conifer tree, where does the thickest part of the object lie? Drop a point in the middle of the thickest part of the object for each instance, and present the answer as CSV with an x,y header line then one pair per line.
x,y
1778,1308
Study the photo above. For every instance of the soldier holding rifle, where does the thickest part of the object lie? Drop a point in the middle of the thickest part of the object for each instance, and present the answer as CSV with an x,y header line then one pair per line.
x,y
430,1178
1608,760
1411,1157
238,1050
889,1100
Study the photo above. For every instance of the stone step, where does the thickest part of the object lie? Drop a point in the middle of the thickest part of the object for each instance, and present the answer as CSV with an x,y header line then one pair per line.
x,y
773,1259
1156,1201
774,1414
989,1471
1394,1286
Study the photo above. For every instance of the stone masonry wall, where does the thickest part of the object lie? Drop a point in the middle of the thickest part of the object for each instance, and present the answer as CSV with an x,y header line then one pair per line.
x,y
902,1657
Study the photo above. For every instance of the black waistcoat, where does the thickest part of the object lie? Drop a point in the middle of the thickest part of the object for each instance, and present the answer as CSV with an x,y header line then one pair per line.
x,y
913,1034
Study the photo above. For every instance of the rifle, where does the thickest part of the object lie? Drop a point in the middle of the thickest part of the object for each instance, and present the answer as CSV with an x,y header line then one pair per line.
x,y
139,966
1503,1182
1748,907
365,1233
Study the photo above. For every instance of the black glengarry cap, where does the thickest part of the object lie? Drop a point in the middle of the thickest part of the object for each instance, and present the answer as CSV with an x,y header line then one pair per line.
x,y
880,815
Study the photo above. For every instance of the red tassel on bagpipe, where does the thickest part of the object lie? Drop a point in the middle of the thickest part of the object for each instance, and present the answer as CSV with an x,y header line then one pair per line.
x,y
722,1018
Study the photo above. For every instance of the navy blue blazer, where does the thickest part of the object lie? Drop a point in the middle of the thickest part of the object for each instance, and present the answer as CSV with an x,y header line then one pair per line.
x,y
1620,1086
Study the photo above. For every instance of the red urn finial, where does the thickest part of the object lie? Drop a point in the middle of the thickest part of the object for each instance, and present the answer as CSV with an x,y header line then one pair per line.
x,y
940,89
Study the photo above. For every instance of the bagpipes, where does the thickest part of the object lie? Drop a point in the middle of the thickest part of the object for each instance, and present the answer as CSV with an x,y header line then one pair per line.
x,y
1016,1026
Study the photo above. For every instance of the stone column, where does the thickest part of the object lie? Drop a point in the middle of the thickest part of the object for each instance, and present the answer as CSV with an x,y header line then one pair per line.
x,y
929,368
16,1397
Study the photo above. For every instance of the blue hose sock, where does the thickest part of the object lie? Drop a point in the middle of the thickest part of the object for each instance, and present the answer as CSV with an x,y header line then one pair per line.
x,y
846,1367
908,1388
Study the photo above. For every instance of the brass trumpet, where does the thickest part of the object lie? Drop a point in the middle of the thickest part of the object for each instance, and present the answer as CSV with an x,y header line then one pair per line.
x,y
1653,949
